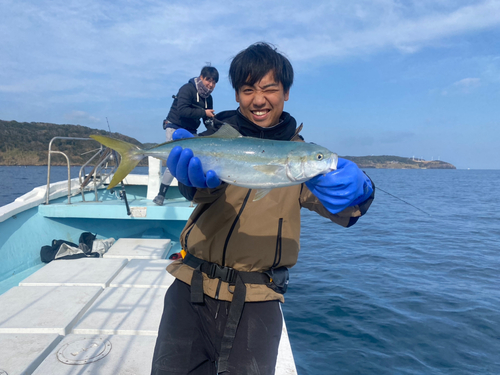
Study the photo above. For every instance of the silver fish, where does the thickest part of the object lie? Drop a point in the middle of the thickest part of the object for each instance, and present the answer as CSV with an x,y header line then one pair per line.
x,y
242,161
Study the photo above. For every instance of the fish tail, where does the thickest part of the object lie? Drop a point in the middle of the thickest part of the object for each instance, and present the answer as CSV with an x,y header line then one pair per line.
x,y
131,156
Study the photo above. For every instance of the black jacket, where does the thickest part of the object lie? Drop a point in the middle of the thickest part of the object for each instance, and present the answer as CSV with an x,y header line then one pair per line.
x,y
188,107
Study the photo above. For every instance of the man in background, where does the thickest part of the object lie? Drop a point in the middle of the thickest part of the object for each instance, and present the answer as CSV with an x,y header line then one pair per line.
x,y
192,103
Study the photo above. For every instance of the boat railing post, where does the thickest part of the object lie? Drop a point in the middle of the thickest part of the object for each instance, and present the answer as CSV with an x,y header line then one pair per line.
x,y
69,177
102,164
47,192
104,156
47,196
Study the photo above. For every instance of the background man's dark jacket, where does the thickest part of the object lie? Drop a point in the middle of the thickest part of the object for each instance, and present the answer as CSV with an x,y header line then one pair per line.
x,y
188,107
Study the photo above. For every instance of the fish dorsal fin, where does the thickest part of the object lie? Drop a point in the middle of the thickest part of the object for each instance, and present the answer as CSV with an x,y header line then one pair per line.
x,y
226,131
296,135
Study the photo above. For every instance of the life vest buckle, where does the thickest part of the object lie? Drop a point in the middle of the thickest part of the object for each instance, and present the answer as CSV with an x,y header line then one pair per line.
x,y
226,274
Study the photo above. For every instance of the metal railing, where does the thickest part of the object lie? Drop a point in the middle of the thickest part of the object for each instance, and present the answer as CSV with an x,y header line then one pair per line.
x,y
100,172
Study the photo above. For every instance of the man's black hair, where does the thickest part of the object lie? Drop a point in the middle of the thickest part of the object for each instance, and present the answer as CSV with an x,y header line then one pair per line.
x,y
252,64
209,72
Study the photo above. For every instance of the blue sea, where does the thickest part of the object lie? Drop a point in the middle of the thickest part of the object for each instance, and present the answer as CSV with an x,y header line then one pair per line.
x,y
404,291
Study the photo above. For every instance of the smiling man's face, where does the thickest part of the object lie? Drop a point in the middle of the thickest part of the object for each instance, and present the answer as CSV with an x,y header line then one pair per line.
x,y
263,102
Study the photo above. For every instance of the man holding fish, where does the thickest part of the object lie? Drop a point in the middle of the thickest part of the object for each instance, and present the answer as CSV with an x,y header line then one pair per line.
x,y
222,314
250,179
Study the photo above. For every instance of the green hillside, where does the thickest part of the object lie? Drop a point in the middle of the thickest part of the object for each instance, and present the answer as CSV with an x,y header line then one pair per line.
x,y
27,143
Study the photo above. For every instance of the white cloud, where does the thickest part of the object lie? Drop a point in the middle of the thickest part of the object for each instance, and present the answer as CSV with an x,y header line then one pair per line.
x,y
81,117
463,86
467,83
129,43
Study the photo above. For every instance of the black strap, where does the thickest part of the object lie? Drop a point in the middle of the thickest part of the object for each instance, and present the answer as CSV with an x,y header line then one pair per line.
x,y
233,277
233,319
226,274
197,286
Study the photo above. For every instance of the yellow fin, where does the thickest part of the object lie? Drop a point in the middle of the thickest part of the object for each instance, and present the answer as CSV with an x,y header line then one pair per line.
x,y
131,156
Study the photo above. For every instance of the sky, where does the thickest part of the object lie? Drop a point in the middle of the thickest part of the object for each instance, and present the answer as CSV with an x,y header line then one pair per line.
x,y
418,79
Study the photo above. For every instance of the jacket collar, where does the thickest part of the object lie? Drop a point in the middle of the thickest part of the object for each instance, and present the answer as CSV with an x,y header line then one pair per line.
x,y
283,131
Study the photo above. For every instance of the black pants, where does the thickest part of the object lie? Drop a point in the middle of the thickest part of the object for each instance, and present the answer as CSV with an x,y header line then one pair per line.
x,y
189,336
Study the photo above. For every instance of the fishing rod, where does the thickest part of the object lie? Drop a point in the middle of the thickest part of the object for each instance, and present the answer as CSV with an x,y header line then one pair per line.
x,y
402,200
108,125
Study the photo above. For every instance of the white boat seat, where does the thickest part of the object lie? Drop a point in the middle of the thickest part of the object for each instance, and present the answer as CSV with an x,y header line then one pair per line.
x,y
44,309
144,273
22,353
76,272
139,248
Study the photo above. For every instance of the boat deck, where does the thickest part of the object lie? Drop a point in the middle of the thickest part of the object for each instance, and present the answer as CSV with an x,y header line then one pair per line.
x,y
93,315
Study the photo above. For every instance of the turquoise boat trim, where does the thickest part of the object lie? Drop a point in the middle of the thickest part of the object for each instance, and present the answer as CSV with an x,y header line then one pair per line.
x,y
141,210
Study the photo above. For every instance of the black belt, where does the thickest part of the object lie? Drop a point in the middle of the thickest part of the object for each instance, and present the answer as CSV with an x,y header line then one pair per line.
x,y
233,277
226,274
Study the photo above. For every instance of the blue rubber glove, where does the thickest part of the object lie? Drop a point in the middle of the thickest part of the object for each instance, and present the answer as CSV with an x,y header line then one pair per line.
x,y
181,134
187,168
345,187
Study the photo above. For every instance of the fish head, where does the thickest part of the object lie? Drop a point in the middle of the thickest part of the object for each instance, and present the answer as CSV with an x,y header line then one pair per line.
x,y
309,162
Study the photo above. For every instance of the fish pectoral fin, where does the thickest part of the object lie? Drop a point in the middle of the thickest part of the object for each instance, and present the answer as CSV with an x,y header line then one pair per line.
x,y
260,193
269,168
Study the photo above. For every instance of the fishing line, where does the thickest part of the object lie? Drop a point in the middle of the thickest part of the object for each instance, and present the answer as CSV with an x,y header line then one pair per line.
x,y
402,200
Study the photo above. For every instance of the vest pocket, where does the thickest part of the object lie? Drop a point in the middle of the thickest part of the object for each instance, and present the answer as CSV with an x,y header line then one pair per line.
x,y
277,254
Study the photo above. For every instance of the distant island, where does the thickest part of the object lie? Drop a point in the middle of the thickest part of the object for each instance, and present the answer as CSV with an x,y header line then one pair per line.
x,y
398,162
26,143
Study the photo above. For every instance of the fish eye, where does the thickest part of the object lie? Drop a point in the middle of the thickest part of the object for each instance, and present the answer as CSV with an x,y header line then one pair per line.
x,y
319,156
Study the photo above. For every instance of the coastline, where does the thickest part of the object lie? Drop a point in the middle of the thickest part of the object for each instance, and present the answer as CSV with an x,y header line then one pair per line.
x,y
364,162
28,146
